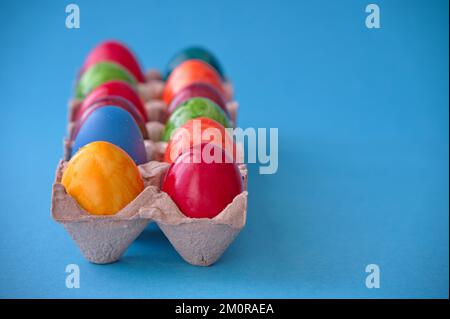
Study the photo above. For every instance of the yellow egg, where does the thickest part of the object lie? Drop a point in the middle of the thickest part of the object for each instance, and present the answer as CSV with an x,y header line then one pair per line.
x,y
102,178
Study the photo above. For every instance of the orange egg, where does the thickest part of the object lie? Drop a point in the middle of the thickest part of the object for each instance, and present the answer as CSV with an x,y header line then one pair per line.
x,y
189,72
198,131
102,178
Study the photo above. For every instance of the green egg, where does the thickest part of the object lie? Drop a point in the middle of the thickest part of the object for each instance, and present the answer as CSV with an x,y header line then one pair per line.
x,y
191,109
100,73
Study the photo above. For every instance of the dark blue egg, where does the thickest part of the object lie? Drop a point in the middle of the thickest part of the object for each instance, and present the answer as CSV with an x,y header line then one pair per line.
x,y
114,125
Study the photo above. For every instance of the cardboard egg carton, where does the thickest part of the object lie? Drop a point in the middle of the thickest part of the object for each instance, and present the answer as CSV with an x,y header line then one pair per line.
x,y
103,239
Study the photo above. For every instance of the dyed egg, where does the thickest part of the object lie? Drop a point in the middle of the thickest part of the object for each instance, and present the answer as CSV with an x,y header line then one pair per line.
x,y
189,72
114,51
100,73
199,188
191,109
114,125
102,178
197,131
85,112
197,90
198,53
113,88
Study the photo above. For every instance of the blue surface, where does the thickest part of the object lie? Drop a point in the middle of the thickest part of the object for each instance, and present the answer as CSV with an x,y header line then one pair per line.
x,y
363,131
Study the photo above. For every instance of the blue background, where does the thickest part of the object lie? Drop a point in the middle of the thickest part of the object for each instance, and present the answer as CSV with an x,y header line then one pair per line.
x,y
363,146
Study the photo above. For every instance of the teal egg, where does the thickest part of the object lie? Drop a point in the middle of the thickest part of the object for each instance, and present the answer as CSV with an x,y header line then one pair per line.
x,y
194,52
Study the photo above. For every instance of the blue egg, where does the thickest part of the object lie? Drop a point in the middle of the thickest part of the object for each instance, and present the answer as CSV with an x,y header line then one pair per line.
x,y
114,125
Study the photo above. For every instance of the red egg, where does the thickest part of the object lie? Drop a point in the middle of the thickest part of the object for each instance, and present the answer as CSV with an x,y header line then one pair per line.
x,y
198,89
197,131
114,51
201,188
188,72
112,88
109,101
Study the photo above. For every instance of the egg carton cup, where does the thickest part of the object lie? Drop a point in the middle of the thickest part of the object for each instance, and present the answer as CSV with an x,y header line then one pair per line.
x,y
103,239
151,92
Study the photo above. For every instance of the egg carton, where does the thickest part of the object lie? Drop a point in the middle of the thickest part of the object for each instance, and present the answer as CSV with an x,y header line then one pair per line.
x,y
103,239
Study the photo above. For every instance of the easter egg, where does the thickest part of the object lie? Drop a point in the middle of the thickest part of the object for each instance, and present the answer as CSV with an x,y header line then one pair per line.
x,y
197,131
114,125
194,52
100,73
199,188
113,88
114,51
193,108
85,112
189,72
198,89
102,178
